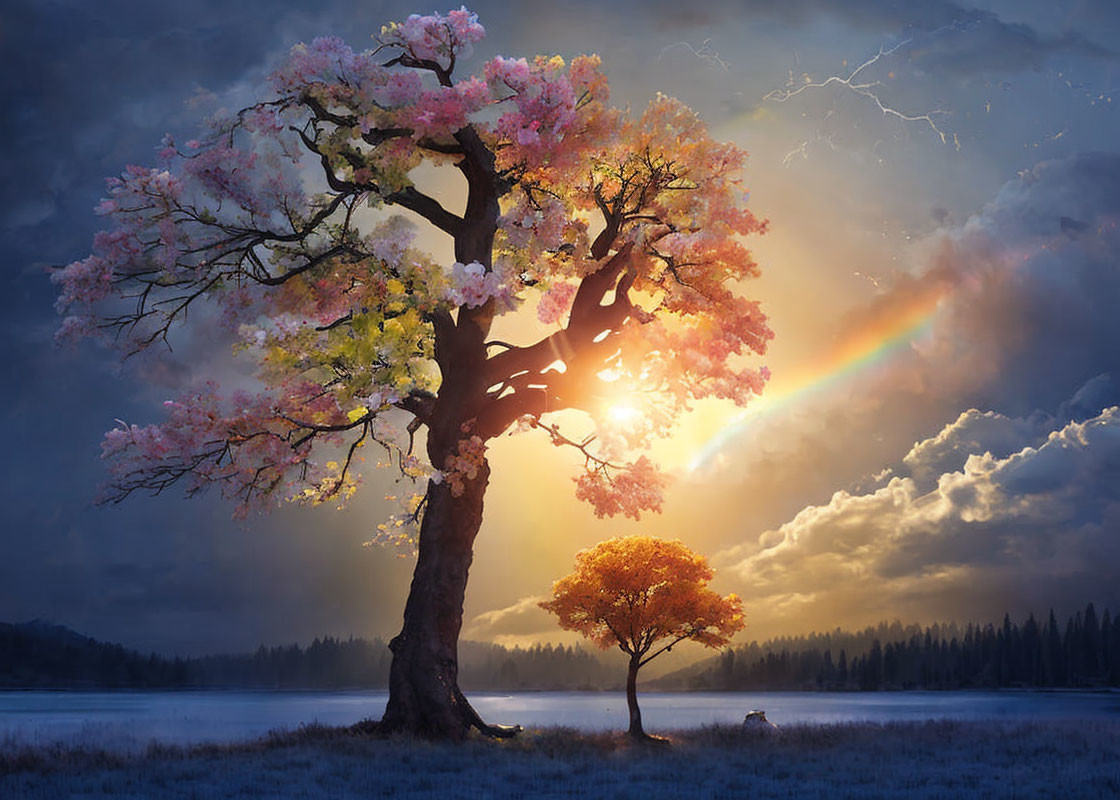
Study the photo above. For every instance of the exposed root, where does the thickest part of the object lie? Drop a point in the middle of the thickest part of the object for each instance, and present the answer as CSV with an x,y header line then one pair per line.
x,y
648,740
469,717
498,731
483,727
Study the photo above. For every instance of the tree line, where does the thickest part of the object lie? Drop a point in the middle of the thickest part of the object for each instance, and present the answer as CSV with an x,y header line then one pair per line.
x,y
1084,652
42,655
1081,652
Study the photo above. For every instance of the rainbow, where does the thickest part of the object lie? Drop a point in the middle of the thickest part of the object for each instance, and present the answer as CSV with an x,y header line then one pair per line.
x,y
886,330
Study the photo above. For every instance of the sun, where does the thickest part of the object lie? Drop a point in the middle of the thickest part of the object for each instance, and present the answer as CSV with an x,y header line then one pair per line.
x,y
622,413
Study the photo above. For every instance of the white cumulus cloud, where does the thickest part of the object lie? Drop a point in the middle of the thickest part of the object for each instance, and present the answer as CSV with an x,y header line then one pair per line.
x,y
1035,523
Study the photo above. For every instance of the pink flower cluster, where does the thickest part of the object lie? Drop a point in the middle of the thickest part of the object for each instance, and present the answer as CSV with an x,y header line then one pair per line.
x,y
243,450
538,224
556,302
436,37
329,71
85,281
263,119
544,101
167,226
321,62
697,358
141,202
472,285
74,328
464,465
402,88
444,110
629,492
227,172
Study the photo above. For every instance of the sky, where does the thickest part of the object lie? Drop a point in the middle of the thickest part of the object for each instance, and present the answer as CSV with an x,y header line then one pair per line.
x,y
940,439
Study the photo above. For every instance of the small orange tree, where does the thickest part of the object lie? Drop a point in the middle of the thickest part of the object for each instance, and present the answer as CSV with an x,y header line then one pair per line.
x,y
637,592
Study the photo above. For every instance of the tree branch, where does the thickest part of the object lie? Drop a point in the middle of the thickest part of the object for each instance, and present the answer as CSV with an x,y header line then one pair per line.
x,y
669,646
428,208
421,404
585,324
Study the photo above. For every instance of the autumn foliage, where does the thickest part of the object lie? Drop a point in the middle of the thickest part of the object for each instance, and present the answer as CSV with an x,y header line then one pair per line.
x,y
643,595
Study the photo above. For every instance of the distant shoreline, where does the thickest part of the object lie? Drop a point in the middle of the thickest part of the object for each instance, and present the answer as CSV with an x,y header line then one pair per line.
x,y
589,690
912,759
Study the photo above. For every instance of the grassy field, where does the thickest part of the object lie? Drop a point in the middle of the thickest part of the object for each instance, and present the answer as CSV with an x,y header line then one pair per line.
x,y
913,760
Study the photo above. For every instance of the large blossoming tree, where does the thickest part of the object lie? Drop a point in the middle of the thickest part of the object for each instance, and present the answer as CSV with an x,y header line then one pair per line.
x,y
293,218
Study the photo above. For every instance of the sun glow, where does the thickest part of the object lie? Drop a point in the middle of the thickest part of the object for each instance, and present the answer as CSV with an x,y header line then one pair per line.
x,y
622,413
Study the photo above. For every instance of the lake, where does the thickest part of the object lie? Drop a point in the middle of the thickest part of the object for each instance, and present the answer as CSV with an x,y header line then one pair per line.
x,y
130,719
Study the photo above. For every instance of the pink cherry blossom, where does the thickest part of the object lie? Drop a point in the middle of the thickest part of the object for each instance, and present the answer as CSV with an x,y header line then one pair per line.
x,y
264,216
556,302
435,37
629,492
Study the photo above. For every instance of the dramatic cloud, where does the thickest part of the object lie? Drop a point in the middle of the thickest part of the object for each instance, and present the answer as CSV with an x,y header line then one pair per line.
x,y
1036,528
1013,311
1030,315
989,432
1013,507
980,43
945,36
973,432
519,623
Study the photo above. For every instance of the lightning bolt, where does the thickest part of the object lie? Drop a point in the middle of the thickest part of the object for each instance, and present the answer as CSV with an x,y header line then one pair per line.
x,y
705,53
864,87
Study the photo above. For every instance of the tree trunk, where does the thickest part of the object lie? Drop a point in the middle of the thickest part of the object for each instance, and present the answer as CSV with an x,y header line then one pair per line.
x,y
424,695
632,700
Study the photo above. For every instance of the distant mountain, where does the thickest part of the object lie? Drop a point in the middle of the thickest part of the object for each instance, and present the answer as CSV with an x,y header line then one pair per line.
x,y
41,654
51,631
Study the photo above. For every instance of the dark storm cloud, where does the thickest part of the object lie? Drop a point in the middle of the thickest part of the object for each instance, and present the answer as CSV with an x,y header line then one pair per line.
x,y
880,16
173,586
985,45
977,432
1025,307
941,37
1033,306
89,87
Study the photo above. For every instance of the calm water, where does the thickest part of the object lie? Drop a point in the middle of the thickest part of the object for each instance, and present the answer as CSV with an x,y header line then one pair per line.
x,y
131,719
